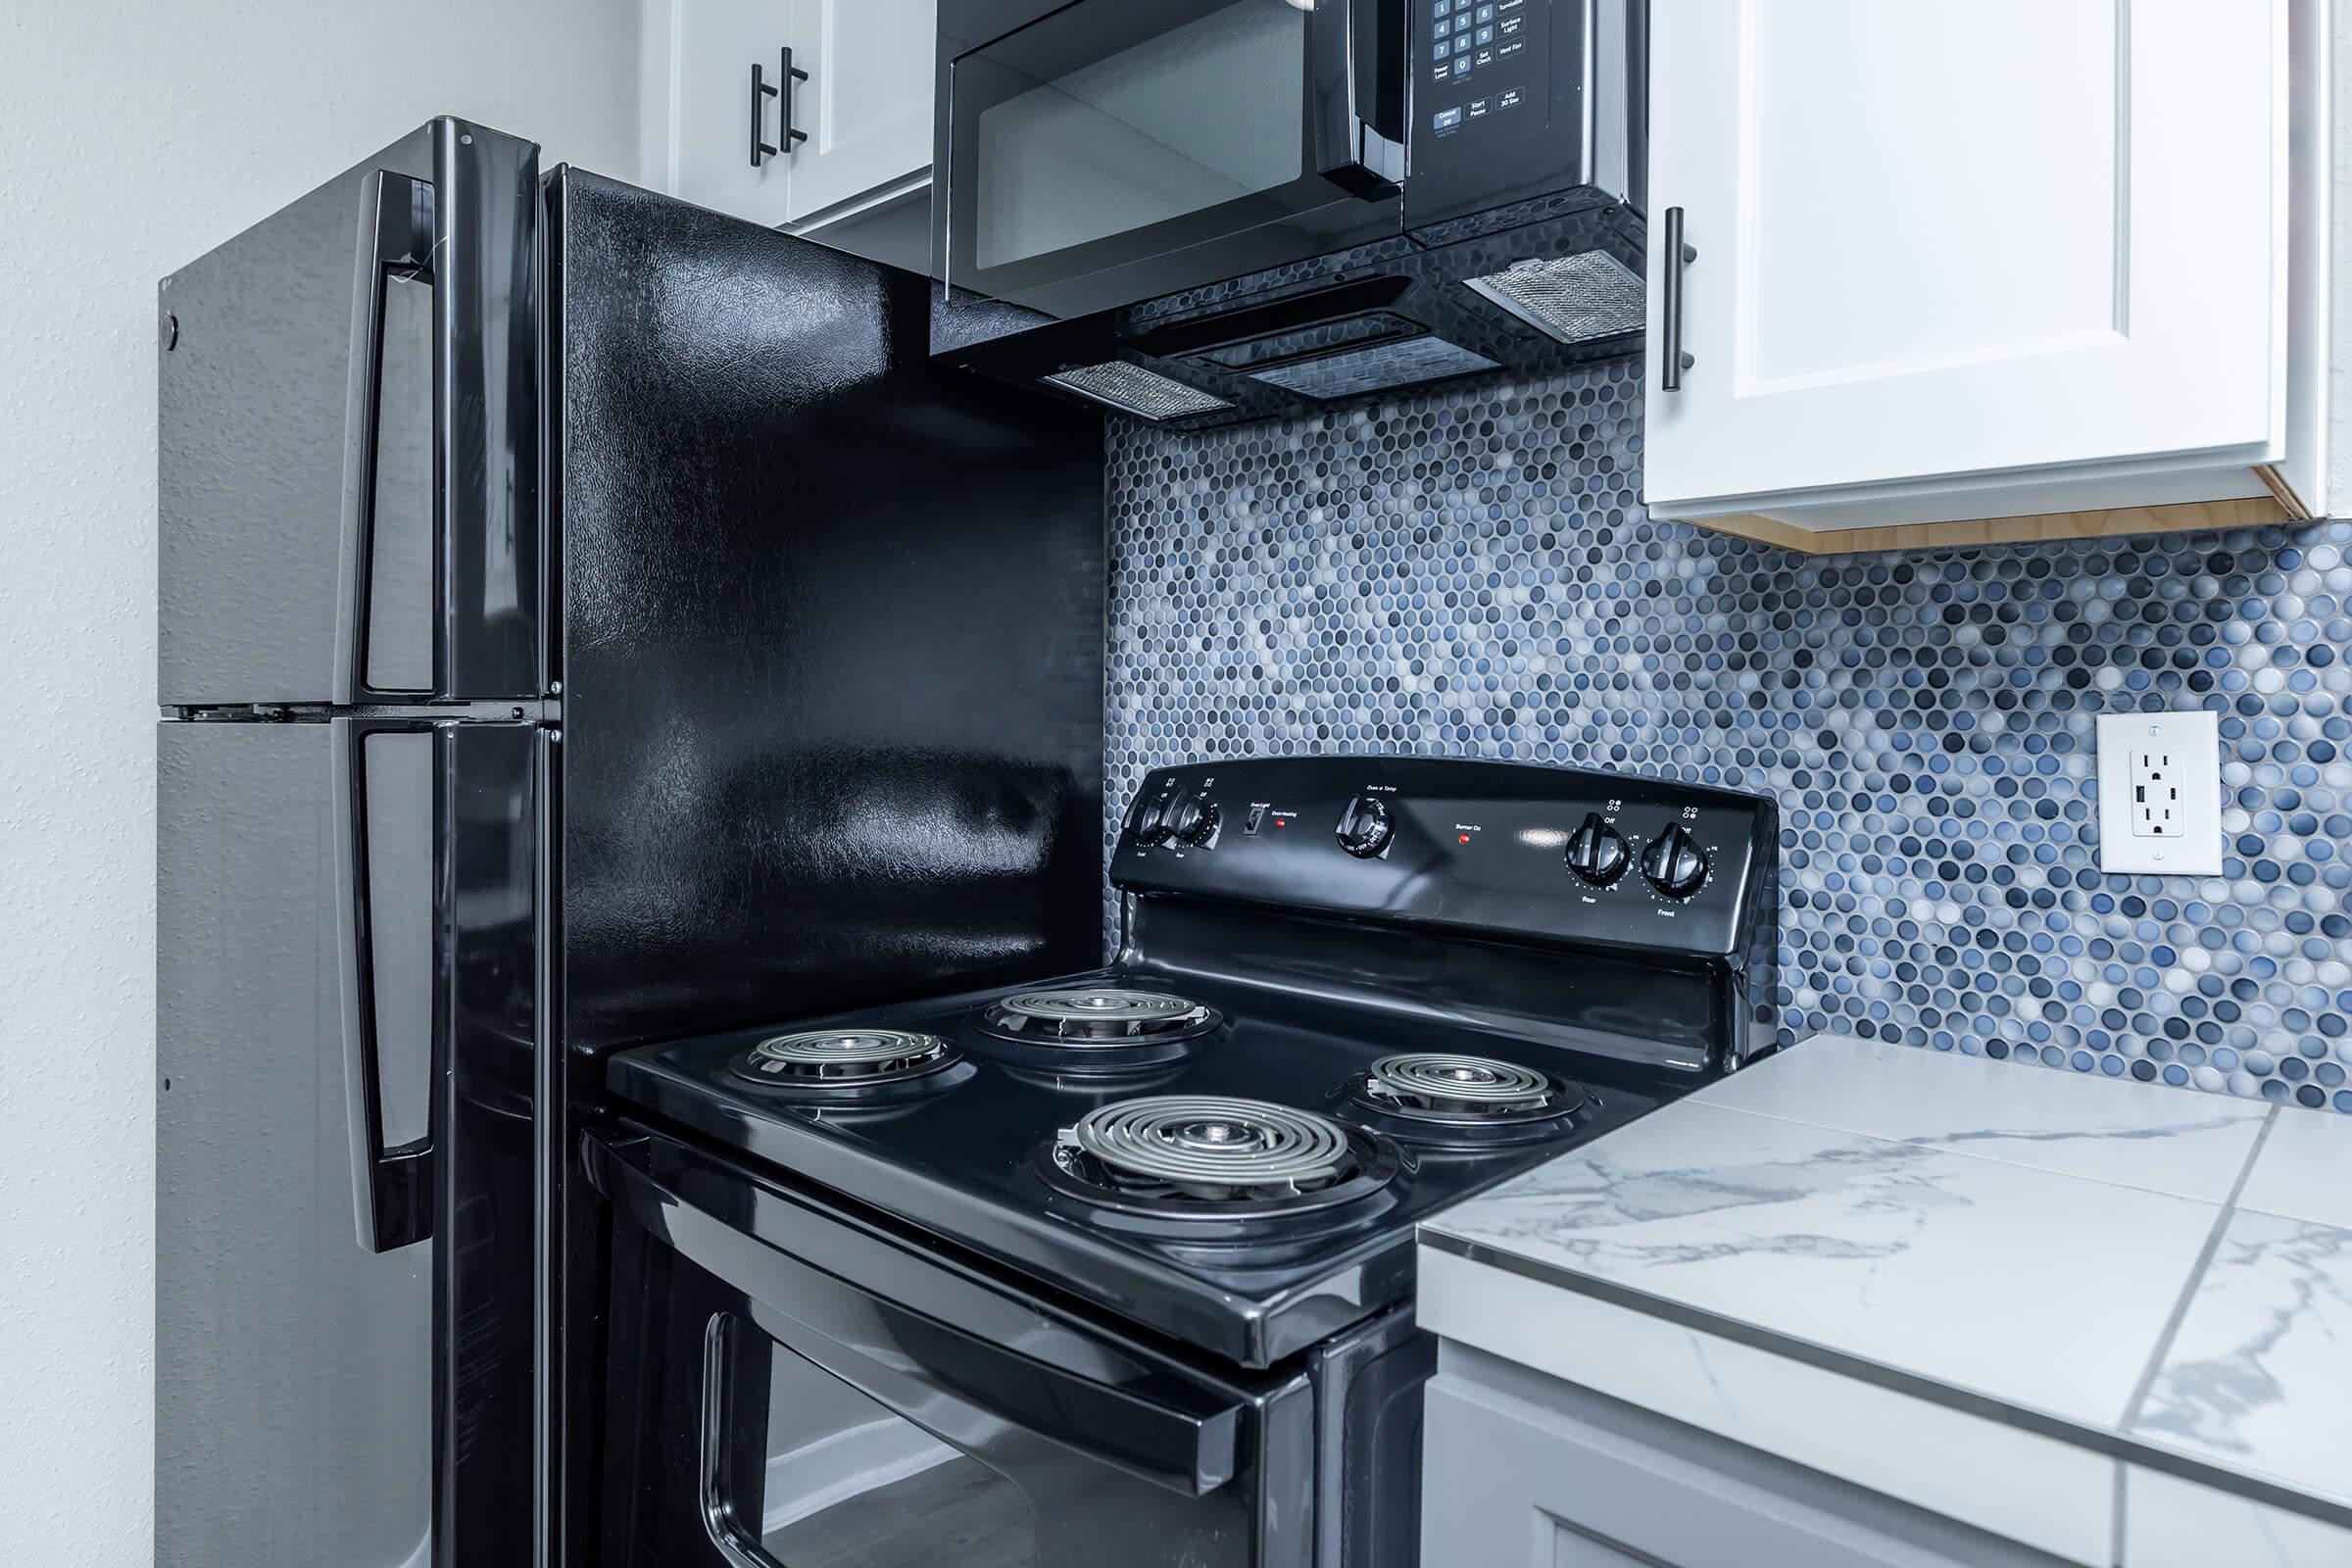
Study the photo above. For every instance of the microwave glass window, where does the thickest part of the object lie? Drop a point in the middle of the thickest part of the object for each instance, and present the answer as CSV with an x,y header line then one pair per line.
x,y
1186,119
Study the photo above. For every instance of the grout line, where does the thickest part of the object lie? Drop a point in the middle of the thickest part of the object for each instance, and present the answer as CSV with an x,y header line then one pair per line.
x,y
2196,1277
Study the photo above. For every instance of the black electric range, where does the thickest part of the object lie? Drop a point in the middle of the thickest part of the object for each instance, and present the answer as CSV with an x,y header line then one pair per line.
x,y
1351,991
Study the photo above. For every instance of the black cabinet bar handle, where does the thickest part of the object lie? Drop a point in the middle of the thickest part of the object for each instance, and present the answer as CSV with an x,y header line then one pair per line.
x,y
1672,361
760,89
792,73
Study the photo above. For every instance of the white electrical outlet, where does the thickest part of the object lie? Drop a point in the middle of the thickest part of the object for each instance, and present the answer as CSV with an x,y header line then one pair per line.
x,y
2160,794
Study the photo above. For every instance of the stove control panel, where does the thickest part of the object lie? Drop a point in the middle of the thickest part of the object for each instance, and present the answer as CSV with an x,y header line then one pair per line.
x,y
1500,849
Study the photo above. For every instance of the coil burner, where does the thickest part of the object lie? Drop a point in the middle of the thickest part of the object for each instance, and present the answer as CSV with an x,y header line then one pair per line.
x,y
1096,1031
1097,1016
1210,1155
845,1059
1466,1093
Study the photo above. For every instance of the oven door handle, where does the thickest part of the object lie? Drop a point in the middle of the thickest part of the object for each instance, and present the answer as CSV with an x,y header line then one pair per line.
x,y
1076,1390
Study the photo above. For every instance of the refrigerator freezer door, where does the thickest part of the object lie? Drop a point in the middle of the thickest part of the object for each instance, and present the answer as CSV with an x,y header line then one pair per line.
x,y
348,938
293,1388
348,441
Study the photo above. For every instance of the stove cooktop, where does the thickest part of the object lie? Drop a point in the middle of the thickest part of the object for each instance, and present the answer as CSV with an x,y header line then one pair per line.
x,y
1221,1164
1352,991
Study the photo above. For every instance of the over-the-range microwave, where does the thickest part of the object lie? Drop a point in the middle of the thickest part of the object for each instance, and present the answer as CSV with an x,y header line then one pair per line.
x,y
1204,211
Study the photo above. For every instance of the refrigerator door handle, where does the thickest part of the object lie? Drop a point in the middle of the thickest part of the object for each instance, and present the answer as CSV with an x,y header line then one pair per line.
x,y
397,244
392,1187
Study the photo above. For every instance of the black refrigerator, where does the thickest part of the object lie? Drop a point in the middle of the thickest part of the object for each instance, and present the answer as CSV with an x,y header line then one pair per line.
x,y
585,619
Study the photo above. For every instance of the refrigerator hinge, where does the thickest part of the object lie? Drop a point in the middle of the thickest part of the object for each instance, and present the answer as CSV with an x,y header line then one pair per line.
x,y
531,711
251,713
535,710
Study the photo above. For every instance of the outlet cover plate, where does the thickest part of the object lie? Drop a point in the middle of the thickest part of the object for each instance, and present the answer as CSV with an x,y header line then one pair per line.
x,y
2189,742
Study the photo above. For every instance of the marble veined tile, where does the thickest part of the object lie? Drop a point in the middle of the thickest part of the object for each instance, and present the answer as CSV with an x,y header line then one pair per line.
x,y
2036,1288
2259,1375
2141,1135
2305,1168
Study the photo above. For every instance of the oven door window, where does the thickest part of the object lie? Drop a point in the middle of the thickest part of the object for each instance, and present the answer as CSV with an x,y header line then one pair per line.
x,y
1116,129
802,1469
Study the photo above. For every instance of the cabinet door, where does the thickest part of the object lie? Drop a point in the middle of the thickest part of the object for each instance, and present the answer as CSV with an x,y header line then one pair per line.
x,y
1581,1481
866,105
703,51
1958,237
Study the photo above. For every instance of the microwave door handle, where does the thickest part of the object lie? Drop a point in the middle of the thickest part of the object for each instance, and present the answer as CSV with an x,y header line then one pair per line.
x,y
1353,48
1190,1451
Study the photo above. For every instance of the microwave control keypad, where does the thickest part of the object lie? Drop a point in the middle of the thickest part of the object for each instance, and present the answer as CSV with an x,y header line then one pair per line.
x,y
1482,59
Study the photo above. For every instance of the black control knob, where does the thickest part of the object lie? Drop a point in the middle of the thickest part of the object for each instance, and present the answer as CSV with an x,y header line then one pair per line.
x,y
1597,853
1673,865
1366,827
1190,819
1151,823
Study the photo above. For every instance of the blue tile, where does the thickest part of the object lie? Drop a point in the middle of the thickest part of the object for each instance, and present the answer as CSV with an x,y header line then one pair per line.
x,y
1470,571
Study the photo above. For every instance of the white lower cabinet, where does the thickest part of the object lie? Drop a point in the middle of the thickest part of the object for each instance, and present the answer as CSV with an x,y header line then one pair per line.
x,y
2171,1523
1973,259
1524,1471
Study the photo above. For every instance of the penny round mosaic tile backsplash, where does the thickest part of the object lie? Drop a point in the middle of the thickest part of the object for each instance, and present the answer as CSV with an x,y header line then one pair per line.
x,y
1470,572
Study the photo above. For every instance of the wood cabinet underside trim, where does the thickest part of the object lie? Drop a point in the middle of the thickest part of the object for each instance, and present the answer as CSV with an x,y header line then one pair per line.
x,y
2184,517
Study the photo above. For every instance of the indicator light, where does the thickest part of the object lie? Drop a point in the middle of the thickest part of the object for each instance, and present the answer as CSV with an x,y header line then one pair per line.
x,y
1464,837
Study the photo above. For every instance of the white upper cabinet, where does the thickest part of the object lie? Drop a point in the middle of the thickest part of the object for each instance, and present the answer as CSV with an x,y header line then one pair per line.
x,y
698,104
859,127
866,105
1972,259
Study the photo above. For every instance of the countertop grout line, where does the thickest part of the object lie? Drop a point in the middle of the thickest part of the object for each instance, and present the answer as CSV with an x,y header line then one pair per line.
x,y
2261,1123
2196,1277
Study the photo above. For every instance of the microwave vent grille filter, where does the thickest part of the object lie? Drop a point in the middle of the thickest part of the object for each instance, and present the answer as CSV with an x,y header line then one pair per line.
x,y
1322,337
1131,389
1376,368
1575,299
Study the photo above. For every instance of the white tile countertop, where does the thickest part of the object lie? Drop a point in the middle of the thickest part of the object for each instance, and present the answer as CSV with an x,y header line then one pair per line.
x,y
2055,1307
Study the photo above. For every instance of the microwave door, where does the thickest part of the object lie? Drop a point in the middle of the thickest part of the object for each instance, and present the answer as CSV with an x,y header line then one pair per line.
x,y
1114,151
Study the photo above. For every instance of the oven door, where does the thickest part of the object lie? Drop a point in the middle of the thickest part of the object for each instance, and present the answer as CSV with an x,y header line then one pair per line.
x,y
788,1384
1118,150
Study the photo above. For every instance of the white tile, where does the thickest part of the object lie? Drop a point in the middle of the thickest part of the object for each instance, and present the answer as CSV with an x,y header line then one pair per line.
x,y
2012,1483
2305,1168
2112,1130
2171,1523
2037,1288
2259,1375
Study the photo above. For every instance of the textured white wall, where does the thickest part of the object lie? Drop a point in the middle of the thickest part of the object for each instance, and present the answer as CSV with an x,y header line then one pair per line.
x,y
134,137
